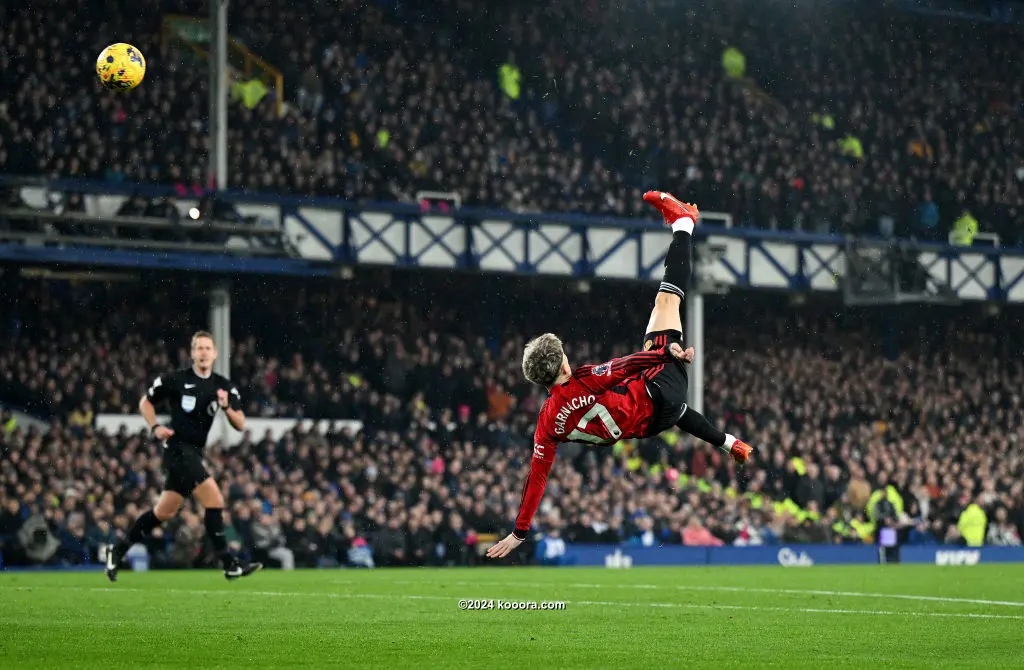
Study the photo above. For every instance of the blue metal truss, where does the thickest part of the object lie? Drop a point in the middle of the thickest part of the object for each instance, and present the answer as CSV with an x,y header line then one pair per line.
x,y
1011,279
510,244
170,260
831,265
377,239
437,251
330,249
329,232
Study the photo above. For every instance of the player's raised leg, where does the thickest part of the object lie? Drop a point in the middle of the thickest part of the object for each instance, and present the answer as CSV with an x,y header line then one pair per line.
x,y
681,218
209,496
666,320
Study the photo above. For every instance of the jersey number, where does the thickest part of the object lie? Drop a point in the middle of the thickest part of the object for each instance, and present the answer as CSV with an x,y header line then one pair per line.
x,y
601,412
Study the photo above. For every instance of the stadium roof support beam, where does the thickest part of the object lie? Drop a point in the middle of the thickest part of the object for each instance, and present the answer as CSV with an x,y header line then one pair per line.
x,y
694,337
220,327
219,78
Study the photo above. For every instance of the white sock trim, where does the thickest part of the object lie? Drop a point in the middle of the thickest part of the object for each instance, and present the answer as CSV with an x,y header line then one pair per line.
x,y
683,225
671,288
729,441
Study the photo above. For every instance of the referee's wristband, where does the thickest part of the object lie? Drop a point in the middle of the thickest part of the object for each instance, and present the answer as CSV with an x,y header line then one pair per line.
x,y
152,429
520,534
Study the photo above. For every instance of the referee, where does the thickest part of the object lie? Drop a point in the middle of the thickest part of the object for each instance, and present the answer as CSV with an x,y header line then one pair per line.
x,y
195,395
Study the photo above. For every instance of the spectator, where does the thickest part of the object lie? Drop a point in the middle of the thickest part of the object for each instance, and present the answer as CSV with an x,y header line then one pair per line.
x,y
644,535
420,543
972,523
435,471
696,535
270,543
551,549
302,541
390,545
188,541
10,523
810,489
453,542
389,110
1001,532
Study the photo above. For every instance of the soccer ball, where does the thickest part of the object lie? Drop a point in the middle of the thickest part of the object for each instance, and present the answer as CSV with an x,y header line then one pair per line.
x,y
120,67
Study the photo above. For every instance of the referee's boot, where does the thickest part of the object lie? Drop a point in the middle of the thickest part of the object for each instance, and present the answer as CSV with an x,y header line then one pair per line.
x,y
114,558
235,569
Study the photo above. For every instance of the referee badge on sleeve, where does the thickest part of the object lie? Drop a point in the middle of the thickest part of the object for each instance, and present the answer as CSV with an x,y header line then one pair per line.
x,y
188,402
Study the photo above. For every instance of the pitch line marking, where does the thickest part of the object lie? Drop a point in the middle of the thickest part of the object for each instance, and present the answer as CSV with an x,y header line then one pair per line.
x,y
600,603
740,589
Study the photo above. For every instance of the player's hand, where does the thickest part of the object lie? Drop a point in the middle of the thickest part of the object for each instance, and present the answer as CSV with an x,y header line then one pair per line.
x,y
504,547
162,433
222,398
677,351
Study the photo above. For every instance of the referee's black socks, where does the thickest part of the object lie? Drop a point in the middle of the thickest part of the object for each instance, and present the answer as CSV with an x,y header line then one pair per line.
x,y
139,531
214,523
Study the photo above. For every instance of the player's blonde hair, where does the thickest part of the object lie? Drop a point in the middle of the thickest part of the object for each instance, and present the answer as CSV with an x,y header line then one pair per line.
x,y
542,360
202,333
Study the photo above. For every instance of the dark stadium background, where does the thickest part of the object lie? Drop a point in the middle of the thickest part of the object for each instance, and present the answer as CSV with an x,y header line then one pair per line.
x,y
887,121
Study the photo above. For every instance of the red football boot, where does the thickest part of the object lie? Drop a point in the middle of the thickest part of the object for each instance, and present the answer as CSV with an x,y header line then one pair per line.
x,y
741,451
670,207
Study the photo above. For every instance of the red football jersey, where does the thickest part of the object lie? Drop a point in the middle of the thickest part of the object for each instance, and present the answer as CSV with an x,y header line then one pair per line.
x,y
600,404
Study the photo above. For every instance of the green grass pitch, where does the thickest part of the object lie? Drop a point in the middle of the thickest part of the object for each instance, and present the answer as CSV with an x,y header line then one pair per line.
x,y
820,617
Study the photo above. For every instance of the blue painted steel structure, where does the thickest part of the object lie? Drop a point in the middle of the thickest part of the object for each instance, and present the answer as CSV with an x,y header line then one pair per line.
x,y
330,232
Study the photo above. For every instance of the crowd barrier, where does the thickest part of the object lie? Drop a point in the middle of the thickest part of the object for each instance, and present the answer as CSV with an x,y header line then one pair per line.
x,y
785,555
789,556
256,428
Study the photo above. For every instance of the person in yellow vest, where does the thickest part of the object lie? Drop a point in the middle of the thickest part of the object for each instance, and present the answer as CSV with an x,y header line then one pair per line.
x,y
851,146
9,423
250,92
734,63
964,230
863,529
842,533
893,509
972,523
826,121
509,78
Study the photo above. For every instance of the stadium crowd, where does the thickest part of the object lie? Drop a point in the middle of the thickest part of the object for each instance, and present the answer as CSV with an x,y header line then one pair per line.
x,y
850,441
844,119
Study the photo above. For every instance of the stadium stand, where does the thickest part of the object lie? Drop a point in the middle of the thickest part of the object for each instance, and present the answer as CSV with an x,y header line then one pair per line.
x,y
908,440
831,125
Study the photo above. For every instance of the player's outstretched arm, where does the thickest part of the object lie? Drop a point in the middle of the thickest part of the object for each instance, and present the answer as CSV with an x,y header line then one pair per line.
x,y
533,492
504,547
600,378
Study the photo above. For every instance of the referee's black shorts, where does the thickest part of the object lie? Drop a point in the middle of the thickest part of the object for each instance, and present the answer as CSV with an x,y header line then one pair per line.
x,y
184,469
667,383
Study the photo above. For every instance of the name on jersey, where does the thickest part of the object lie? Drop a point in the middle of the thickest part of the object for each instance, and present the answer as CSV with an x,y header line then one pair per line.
x,y
579,402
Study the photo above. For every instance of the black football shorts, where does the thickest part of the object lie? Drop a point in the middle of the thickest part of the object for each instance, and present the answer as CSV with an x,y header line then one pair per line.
x,y
667,384
184,469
